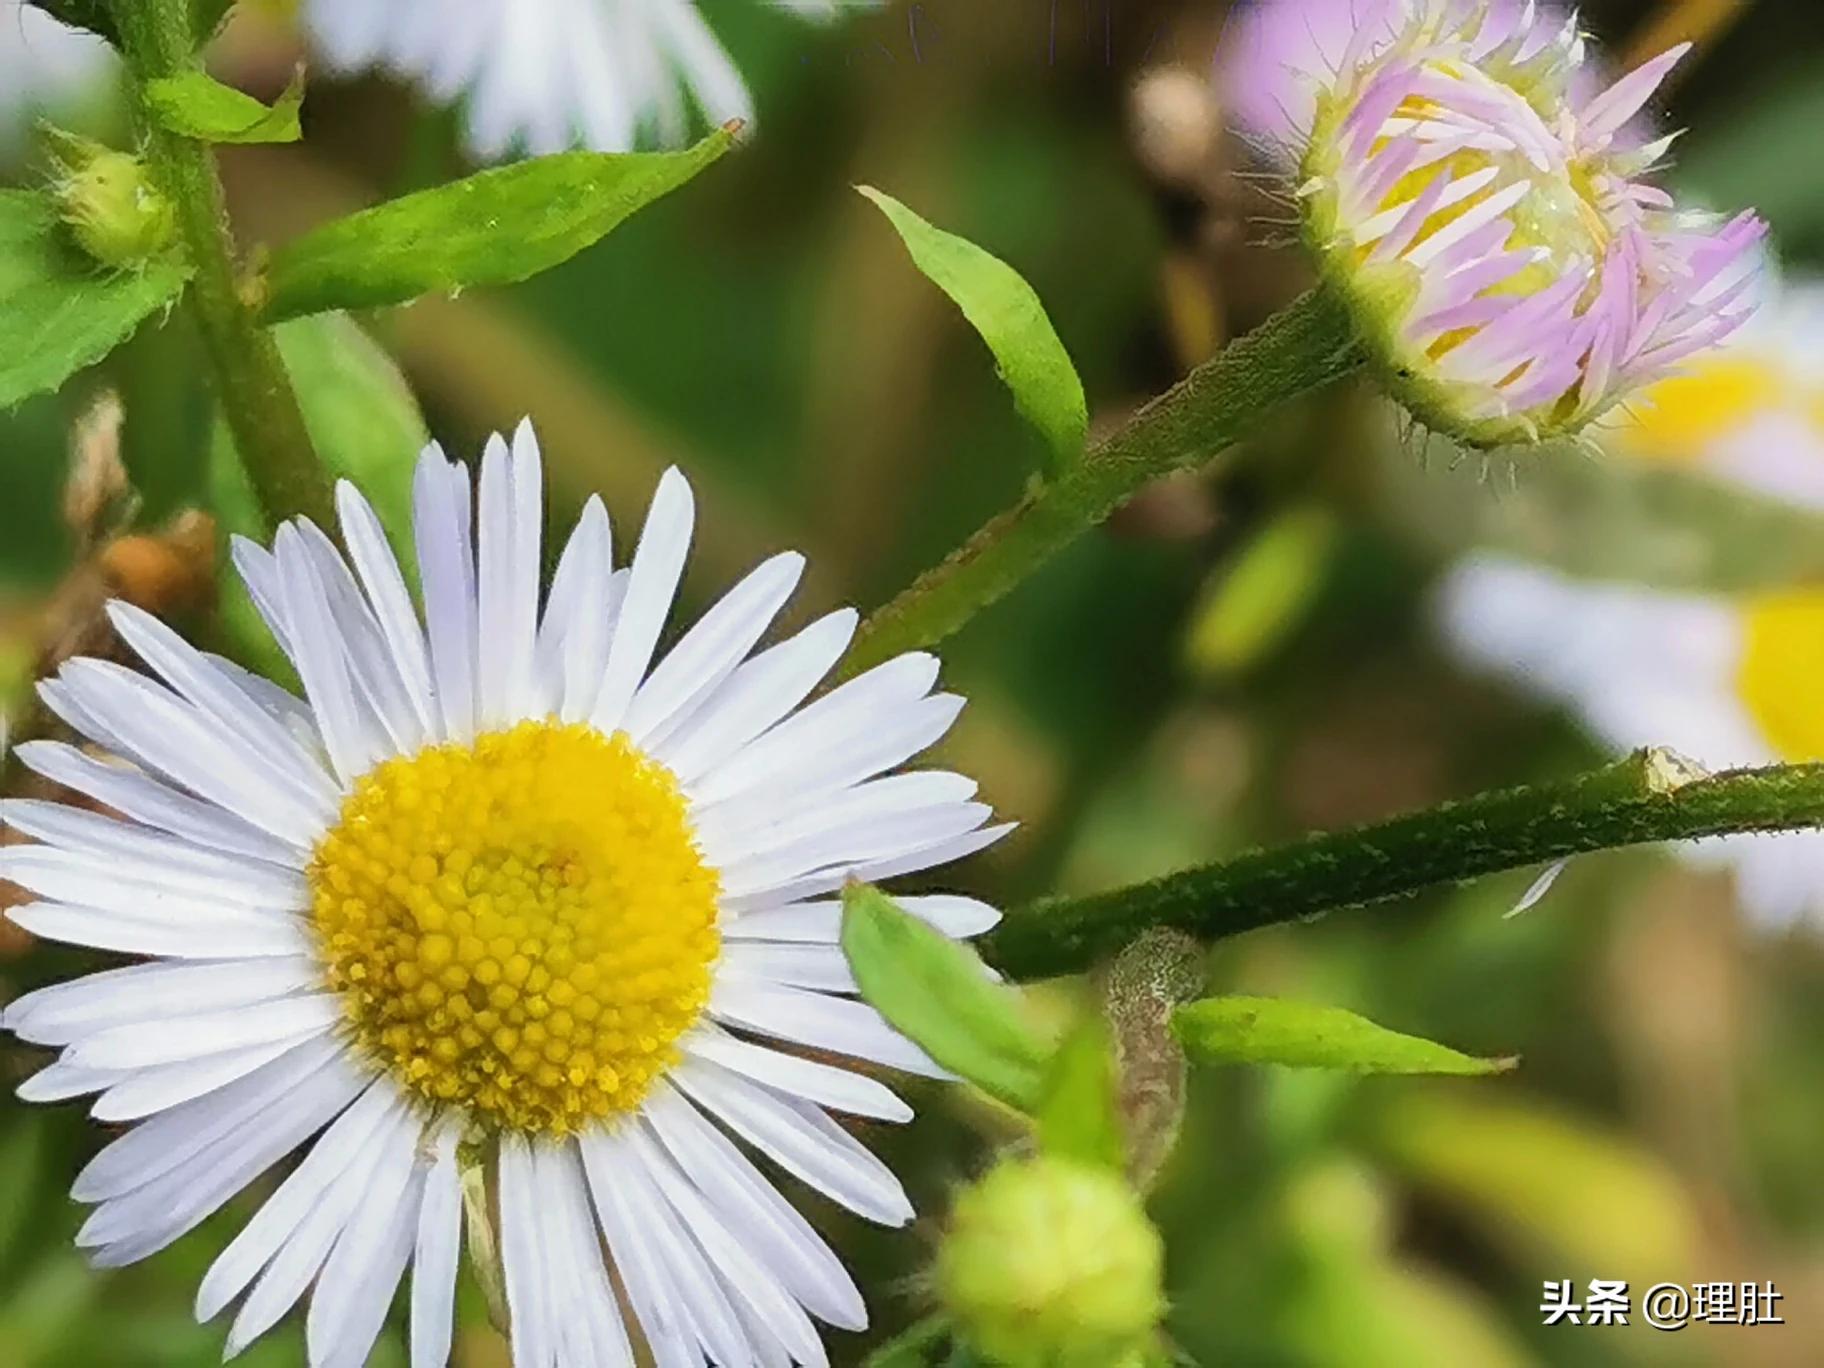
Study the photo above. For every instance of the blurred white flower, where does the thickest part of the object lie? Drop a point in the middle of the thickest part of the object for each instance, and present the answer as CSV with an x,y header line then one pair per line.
x,y
43,64
543,75
1727,681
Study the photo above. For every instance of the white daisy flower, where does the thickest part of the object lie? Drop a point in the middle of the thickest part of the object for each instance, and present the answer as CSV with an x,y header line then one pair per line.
x,y
547,74
497,889
1728,682
43,64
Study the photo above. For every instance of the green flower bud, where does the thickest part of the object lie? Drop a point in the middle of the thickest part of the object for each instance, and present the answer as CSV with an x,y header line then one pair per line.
x,y
114,212
1052,1264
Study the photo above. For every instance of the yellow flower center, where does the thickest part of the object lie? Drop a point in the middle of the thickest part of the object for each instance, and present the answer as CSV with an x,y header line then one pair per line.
x,y
521,927
1782,661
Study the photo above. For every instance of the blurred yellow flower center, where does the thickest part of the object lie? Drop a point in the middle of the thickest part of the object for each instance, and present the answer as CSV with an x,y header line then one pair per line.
x,y
1683,416
521,927
1782,662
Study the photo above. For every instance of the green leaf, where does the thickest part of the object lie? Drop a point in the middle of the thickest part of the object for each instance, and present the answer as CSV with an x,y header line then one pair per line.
x,y
1076,1110
918,1346
938,992
200,107
1253,603
1007,312
1256,1030
59,311
493,228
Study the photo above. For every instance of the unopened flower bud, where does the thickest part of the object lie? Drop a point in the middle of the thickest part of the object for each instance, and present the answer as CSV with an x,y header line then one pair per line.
x,y
1052,1264
113,210
1510,269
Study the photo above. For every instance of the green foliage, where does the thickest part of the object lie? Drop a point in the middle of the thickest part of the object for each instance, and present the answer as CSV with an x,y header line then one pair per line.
x,y
918,1346
197,106
1253,603
493,228
1606,517
1006,311
1256,1030
1076,1112
940,994
59,312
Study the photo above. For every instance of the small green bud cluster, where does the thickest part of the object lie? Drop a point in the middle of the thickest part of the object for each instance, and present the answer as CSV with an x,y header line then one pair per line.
x,y
113,210
1051,1263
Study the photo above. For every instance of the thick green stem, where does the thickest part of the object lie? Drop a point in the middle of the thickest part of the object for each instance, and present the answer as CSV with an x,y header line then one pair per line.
x,y
1308,344
1650,796
255,392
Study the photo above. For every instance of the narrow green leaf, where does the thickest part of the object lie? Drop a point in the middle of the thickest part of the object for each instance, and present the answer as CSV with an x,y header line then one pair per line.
x,y
1007,312
939,993
493,228
59,311
197,106
207,17
1256,1030
917,1346
1076,1112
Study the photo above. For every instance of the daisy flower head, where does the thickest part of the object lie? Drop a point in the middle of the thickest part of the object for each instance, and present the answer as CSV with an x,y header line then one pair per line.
x,y
497,890
1750,412
544,75
43,64
1728,681
1511,273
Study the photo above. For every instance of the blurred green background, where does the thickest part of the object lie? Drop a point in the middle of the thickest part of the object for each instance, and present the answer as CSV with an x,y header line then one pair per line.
x,y
1232,660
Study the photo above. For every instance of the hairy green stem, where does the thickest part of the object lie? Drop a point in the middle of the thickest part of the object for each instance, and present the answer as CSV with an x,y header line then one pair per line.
x,y
1308,344
255,392
1650,796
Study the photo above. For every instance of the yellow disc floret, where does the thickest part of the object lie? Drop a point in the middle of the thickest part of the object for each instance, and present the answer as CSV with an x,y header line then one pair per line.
x,y
521,927
1782,660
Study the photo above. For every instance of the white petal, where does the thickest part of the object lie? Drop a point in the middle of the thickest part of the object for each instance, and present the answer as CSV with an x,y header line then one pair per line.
x,y
59,1081
145,1091
796,755
136,889
207,1033
736,831
391,602
710,651
754,1287
198,681
756,696
363,1270
823,1084
434,1261
134,853
821,922
800,1139
523,1257
155,1147
851,846
587,1320
145,799
748,1202
164,734
827,1023
350,733
302,1192
823,968
243,936
629,1201
63,1012
573,640
440,520
658,562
